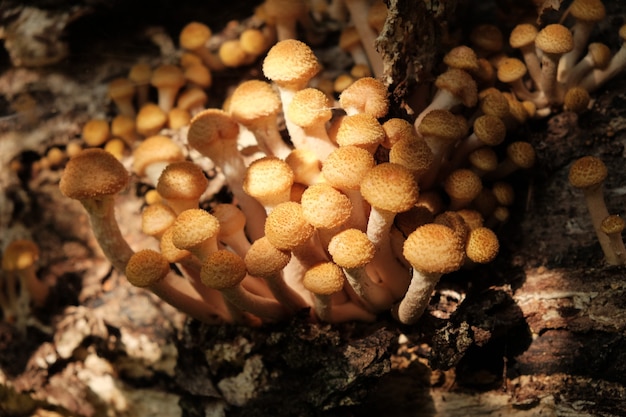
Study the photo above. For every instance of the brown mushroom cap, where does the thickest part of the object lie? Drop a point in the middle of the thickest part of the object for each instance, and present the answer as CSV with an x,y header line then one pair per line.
x,y
487,37
588,10
182,180
156,148
324,278
194,35
587,172
325,207
264,260
309,107
521,153
485,159
146,268
490,129
522,35
362,130
95,132
345,167
253,100
223,269
554,39
440,126
93,173
194,226
511,69
269,180
209,127
156,219
463,185
20,254
613,224
482,245
366,95
290,63
351,248
576,100
412,153
167,76
434,249
150,119
286,228
461,57
390,187
460,84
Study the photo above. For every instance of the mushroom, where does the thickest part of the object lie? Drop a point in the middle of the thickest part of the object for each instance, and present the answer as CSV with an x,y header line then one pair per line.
x,y
462,186
488,131
365,95
352,251
194,37
122,91
168,80
359,10
598,77
156,219
181,184
232,223
598,57
522,37
613,226
196,230
285,14
19,262
432,250
140,74
94,177
269,180
152,156
150,120
224,271
554,41
482,245
361,130
266,261
588,174
96,132
519,155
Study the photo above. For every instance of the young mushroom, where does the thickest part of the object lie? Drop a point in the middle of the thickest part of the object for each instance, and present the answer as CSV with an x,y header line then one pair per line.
x,y
613,226
20,261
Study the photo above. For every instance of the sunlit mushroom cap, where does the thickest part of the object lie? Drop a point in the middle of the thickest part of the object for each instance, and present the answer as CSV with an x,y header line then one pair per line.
x,y
93,173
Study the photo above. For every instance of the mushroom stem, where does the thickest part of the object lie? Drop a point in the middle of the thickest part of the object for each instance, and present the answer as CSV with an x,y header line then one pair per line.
x,y
417,297
358,13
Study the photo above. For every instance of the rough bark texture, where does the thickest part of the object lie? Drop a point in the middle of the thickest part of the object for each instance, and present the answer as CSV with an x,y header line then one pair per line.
x,y
540,331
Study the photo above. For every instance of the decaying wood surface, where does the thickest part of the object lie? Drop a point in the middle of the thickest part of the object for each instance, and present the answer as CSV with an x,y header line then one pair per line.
x,y
540,332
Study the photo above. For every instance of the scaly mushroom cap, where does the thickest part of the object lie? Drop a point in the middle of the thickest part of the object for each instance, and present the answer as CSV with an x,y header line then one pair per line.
x,y
396,129
286,228
490,129
305,165
150,119
291,64
346,166
223,269
434,249
521,153
576,100
93,173
441,126
20,254
554,39
146,267
613,224
412,153
482,245
154,149
325,207
309,107
253,100
194,35
390,187
362,130
264,260
351,248
503,192
209,127
484,159
511,69
487,37
366,95
269,180
324,279
460,84
169,250
588,10
522,35
193,227
600,53
461,57
231,218
587,172
455,222
463,185
182,180
156,219
494,103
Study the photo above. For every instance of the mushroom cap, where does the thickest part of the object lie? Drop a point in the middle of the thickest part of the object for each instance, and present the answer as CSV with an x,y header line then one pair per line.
x,y
305,165
366,95
511,69
494,103
555,39
121,88
153,149
167,76
491,130
191,98
324,206
194,35
460,84
523,35
285,9
487,37
253,41
346,166
156,219
209,127
461,57
198,74
178,118
325,278
351,248
222,270
253,100
463,185
193,227
20,254
440,125
412,153
482,245
434,249
93,173
396,129
264,260
362,130
390,187
150,119
290,64
576,99
587,172
588,10
140,73
521,154
123,126
600,53
146,268
473,219
232,54
485,159
612,224
95,132
454,221
169,250
269,180
286,228
182,180
503,192
309,107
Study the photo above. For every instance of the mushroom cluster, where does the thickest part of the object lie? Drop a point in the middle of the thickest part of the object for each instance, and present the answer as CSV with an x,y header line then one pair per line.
x,y
356,214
